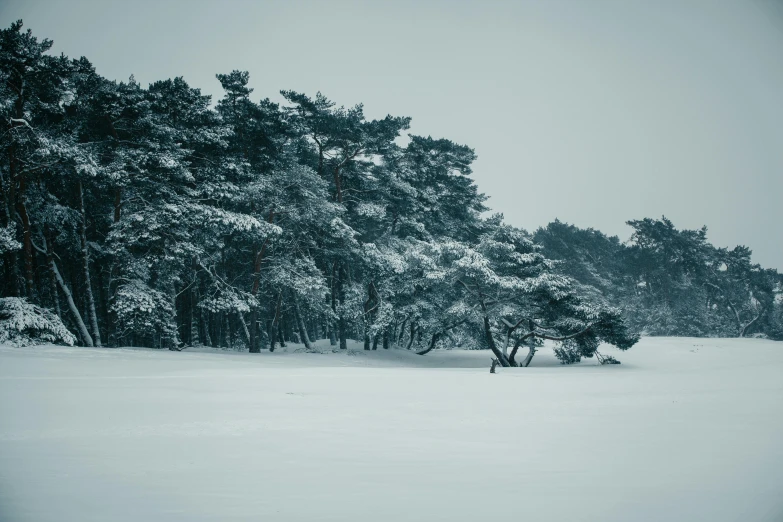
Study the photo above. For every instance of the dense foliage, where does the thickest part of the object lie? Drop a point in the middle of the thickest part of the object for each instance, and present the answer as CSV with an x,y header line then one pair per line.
x,y
151,217
670,281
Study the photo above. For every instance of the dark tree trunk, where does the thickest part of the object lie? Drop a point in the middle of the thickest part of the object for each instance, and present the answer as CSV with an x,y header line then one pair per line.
x,y
433,343
205,322
243,327
402,331
230,330
303,336
257,264
92,314
511,359
313,325
9,258
333,296
253,332
281,330
413,336
343,334
502,359
341,323
53,283
27,242
274,329
194,322
111,326
272,336
85,335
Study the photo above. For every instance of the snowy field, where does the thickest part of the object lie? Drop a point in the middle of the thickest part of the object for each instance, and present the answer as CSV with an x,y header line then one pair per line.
x,y
683,430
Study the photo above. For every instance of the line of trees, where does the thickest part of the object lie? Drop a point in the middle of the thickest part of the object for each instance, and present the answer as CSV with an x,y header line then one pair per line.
x,y
670,281
149,217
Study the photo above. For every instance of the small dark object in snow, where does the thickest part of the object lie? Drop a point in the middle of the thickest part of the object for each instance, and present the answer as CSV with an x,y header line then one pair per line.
x,y
495,362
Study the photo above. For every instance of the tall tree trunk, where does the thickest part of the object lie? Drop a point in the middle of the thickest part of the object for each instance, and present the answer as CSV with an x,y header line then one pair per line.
x,y
9,258
343,334
194,324
274,329
229,331
341,323
111,325
281,326
174,319
270,334
243,324
69,298
491,342
531,349
512,361
111,331
333,296
331,332
320,156
301,325
254,346
16,199
257,263
53,283
369,313
221,330
413,336
402,331
205,322
313,325
27,241
86,265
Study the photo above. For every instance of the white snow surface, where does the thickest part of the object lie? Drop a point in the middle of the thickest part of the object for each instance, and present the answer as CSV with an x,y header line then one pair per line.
x,y
684,430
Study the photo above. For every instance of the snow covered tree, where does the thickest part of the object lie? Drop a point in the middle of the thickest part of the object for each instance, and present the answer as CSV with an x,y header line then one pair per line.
x,y
145,215
25,324
742,290
517,296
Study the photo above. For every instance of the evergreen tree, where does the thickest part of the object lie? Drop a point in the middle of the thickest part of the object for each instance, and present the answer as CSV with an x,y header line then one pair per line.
x,y
145,216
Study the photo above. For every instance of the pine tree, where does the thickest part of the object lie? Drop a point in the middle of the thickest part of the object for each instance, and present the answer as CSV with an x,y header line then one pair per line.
x,y
143,215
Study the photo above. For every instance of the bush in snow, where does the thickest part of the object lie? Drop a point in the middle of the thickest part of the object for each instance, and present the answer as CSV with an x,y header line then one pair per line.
x,y
7,241
24,324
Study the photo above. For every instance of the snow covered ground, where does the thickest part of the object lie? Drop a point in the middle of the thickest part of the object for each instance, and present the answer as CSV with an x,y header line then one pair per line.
x,y
683,430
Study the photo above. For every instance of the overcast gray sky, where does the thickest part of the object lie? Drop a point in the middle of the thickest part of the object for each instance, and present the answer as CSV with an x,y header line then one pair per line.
x,y
592,112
